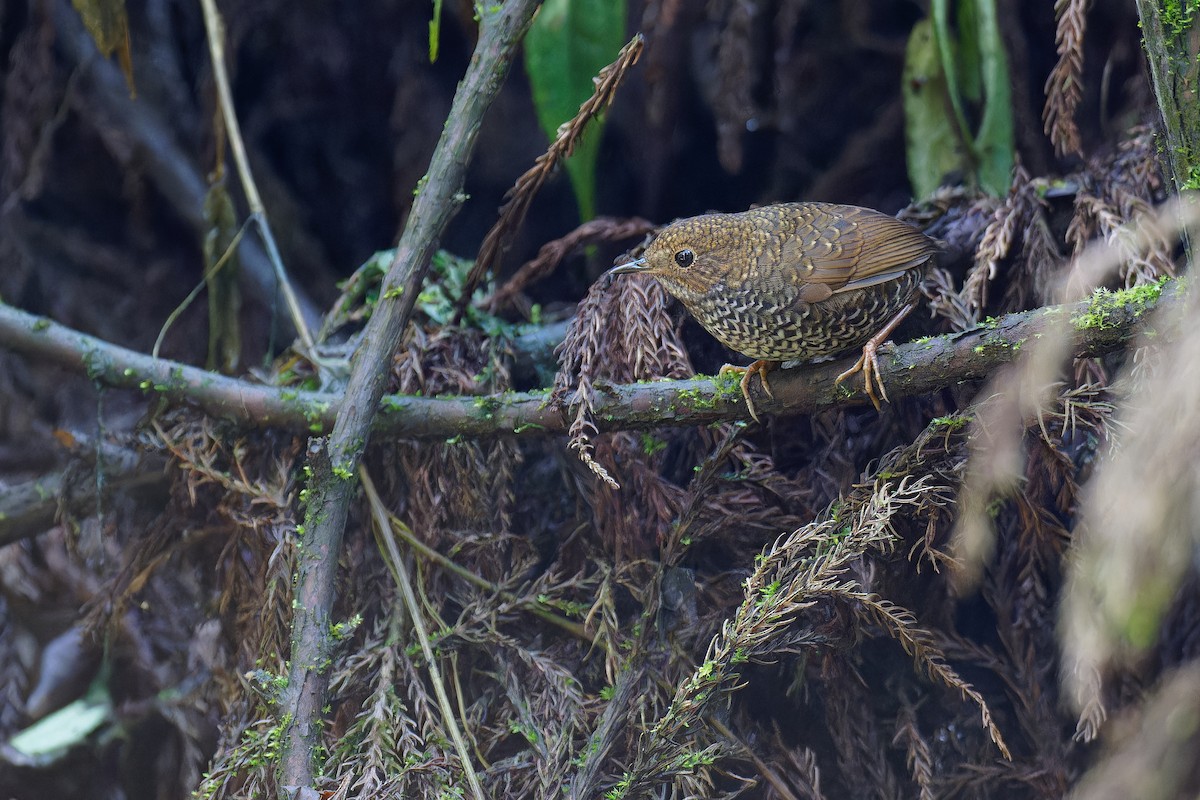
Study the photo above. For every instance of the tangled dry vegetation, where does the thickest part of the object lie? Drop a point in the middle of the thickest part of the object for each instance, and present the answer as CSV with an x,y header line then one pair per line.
x,y
850,604
720,623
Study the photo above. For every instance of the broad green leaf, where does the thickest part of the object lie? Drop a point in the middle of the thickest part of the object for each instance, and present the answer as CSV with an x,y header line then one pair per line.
x,y
995,140
975,68
933,147
569,43
970,69
946,42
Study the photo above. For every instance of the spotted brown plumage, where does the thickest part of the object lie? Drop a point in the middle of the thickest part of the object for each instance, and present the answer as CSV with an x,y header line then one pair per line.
x,y
793,281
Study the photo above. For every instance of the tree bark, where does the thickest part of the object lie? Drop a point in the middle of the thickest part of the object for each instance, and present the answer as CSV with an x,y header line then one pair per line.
x,y
334,461
1171,37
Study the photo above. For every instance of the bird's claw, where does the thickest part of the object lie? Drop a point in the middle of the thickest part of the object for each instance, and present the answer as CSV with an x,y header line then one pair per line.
x,y
868,365
761,368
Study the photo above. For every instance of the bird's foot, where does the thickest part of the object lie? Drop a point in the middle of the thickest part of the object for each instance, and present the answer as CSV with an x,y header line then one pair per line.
x,y
868,365
761,368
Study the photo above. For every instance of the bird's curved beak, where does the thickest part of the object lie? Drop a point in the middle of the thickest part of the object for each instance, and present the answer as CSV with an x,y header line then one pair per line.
x,y
637,265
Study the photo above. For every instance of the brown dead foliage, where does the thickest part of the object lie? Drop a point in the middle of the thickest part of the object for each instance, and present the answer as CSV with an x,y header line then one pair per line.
x,y
799,598
764,611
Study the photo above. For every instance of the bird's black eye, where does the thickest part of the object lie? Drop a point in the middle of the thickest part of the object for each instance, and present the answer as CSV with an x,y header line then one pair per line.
x,y
684,258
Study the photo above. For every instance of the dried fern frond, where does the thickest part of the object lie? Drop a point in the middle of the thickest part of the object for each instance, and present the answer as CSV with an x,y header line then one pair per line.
x,y
918,643
805,770
621,333
1000,240
1064,87
520,196
737,494
1116,204
456,489
856,732
946,301
800,572
917,751
551,254
577,362
373,757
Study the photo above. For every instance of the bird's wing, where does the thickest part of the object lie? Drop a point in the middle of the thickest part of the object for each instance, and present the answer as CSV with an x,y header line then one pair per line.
x,y
829,253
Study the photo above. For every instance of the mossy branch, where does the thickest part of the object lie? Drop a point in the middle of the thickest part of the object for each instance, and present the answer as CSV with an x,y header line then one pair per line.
x,y
1172,56
1102,324
333,462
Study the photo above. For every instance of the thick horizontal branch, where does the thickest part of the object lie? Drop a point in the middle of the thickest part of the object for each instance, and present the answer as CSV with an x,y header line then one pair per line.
x,y
1104,323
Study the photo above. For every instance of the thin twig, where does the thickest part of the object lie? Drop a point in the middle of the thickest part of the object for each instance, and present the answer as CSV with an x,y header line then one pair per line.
x,y
209,274
600,229
521,195
28,509
384,534
136,133
258,213
427,552
770,775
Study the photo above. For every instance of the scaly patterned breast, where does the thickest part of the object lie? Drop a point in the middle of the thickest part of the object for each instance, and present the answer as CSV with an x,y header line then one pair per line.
x,y
774,328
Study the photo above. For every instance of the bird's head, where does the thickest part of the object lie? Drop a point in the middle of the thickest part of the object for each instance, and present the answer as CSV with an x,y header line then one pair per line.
x,y
689,256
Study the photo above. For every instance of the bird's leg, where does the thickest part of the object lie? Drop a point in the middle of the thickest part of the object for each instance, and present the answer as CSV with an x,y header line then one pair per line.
x,y
868,364
761,368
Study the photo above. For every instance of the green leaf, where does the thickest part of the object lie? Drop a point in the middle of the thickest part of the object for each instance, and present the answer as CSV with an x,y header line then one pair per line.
x,y
968,58
995,140
933,146
946,41
975,70
569,43
435,30
46,740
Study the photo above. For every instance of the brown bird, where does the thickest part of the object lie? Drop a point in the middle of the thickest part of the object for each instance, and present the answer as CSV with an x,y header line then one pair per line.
x,y
793,281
